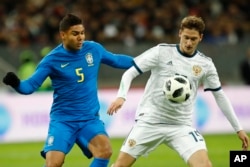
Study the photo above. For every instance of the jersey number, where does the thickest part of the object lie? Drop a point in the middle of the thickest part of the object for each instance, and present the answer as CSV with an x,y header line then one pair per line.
x,y
196,135
80,74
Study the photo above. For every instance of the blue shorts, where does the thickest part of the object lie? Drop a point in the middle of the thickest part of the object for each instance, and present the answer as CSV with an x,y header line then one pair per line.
x,y
62,135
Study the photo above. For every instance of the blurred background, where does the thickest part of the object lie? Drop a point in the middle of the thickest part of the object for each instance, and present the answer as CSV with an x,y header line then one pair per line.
x,y
29,29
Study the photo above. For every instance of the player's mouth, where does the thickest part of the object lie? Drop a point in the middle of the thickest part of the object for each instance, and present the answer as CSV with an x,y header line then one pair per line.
x,y
189,47
79,44
189,50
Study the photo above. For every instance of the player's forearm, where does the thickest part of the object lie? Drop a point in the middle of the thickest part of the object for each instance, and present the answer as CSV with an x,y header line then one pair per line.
x,y
33,83
27,87
125,61
226,107
126,80
119,61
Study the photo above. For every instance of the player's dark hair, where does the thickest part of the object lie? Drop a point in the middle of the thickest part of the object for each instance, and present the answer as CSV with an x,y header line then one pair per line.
x,y
68,21
193,22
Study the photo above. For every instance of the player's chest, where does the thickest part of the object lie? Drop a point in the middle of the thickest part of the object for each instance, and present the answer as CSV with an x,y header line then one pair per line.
x,y
183,66
76,70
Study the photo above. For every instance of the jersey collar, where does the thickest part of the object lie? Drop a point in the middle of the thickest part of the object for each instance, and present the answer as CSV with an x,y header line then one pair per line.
x,y
184,54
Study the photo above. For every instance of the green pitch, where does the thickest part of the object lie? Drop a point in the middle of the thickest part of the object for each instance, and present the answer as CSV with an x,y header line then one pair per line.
x,y
27,154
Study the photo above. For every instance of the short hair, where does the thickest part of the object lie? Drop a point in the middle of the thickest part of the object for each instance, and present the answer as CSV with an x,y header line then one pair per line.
x,y
193,22
68,21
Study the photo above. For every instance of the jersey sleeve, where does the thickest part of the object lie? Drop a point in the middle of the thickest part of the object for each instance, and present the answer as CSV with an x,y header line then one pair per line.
x,y
31,84
227,108
121,61
211,80
147,60
142,63
126,80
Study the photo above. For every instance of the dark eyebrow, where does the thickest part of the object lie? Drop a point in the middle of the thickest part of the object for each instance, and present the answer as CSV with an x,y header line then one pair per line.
x,y
77,32
187,36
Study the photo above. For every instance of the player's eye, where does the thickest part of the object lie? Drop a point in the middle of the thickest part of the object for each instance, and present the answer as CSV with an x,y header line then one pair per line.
x,y
74,33
194,39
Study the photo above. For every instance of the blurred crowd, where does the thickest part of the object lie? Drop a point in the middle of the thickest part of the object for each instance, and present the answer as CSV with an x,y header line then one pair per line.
x,y
27,22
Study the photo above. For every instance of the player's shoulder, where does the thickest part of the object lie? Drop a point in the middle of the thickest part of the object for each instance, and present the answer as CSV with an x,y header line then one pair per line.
x,y
166,45
203,56
91,44
56,52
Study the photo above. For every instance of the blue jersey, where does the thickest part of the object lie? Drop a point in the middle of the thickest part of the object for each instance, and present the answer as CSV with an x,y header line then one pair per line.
x,y
74,79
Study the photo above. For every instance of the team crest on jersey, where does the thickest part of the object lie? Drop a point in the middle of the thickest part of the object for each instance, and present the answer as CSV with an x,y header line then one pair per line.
x,y
131,142
50,140
197,70
89,59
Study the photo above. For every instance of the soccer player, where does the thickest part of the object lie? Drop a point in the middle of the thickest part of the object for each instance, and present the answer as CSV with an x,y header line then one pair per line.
x,y
160,121
74,118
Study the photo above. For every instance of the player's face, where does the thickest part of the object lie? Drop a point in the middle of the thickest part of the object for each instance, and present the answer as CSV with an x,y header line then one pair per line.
x,y
189,40
73,38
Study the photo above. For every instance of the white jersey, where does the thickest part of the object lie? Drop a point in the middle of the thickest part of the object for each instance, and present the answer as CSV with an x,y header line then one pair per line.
x,y
165,60
160,121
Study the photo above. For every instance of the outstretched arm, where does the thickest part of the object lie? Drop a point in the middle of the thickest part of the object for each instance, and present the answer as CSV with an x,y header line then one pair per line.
x,y
125,83
226,107
27,86
117,60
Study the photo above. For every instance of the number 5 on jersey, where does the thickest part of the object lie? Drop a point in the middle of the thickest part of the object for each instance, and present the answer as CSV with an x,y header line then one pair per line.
x,y
80,74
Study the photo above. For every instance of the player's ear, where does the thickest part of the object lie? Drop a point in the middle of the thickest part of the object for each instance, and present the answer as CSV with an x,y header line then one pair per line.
x,y
180,31
62,35
201,37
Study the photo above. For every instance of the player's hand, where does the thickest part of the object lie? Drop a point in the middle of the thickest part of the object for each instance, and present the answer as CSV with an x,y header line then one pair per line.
x,y
11,79
244,138
115,106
